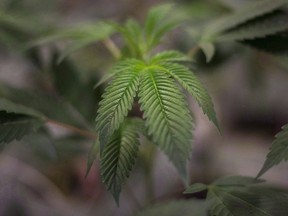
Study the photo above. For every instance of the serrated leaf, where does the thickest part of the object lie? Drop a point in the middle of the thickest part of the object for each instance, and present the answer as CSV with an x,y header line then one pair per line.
x,y
278,151
269,24
118,157
116,69
155,16
247,13
192,84
195,188
92,156
16,121
167,116
132,34
175,208
169,56
157,24
117,100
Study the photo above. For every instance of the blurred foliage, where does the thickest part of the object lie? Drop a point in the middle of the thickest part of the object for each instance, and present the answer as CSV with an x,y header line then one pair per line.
x,y
67,60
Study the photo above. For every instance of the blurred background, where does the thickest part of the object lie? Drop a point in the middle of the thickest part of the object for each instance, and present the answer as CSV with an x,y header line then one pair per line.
x,y
44,174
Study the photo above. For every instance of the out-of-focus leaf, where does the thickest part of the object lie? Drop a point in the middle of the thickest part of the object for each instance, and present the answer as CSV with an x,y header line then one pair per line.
x,y
79,35
16,121
278,151
246,13
270,24
246,201
274,44
75,90
208,49
237,181
49,106
195,188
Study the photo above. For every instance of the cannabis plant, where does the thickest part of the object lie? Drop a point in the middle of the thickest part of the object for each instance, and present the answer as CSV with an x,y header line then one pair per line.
x,y
145,100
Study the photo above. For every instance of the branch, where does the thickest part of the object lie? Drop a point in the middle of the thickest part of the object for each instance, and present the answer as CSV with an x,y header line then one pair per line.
x,y
76,130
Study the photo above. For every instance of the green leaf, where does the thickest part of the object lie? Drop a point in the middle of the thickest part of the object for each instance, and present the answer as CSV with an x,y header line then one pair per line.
x,y
175,208
92,156
132,34
117,100
156,16
119,156
16,121
235,181
10,107
278,151
80,35
195,188
192,84
208,49
258,28
169,56
167,116
61,111
157,24
247,201
247,13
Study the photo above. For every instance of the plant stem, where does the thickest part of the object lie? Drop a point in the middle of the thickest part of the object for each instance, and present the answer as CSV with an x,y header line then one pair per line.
x,y
192,52
149,159
76,130
111,46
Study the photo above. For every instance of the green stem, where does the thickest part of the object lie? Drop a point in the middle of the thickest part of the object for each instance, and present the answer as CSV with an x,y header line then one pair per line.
x,y
76,130
149,158
111,46
193,51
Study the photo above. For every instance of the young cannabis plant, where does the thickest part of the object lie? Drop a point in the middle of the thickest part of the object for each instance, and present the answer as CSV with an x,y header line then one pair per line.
x,y
157,81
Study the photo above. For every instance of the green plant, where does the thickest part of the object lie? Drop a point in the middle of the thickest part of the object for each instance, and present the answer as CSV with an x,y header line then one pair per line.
x,y
144,101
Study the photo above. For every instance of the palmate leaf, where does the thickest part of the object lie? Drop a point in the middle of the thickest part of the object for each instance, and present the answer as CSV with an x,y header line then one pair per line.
x,y
117,100
278,151
119,156
167,116
193,85
17,121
